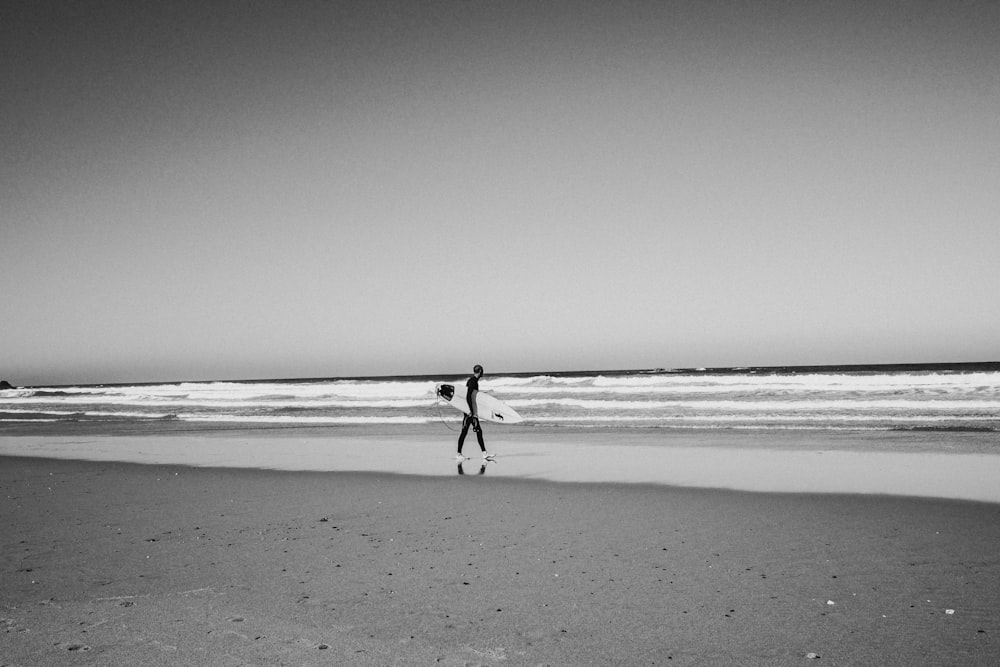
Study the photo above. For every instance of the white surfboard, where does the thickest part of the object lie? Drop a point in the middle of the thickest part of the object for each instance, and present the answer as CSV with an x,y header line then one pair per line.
x,y
490,408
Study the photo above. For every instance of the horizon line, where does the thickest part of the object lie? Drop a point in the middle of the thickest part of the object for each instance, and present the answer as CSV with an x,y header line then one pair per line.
x,y
967,366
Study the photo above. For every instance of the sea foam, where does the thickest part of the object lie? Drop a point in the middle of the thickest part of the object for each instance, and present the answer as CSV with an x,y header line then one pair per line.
x,y
898,399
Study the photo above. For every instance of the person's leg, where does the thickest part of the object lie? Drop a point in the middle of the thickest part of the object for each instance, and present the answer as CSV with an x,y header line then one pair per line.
x,y
479,436
465,429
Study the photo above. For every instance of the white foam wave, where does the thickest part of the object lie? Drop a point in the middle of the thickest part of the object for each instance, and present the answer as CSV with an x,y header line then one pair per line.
x,y
287,419
155,401
123,414
803,419
16,393
818,382
234,391
858,399
519,382
347,390
126,415
753,406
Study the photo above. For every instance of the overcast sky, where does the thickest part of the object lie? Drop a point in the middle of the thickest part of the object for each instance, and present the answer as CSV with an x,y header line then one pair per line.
x,y
214,190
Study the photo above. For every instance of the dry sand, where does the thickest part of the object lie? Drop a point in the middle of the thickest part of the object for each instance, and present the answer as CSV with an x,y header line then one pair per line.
x,y
120,564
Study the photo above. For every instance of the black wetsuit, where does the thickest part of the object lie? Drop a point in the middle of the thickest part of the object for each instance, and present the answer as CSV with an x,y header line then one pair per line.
x,y
472,385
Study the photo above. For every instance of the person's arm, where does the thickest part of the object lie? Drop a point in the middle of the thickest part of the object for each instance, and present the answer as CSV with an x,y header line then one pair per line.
x,y
470,398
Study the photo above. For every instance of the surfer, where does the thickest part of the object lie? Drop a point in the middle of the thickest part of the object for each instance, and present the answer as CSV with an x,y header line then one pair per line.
x,y
472,419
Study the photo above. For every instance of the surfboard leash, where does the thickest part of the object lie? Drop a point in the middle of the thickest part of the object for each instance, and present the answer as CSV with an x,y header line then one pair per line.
x,y
441,416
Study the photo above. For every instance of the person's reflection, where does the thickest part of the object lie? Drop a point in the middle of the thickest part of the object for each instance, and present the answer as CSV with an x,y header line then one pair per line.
x,y
482,470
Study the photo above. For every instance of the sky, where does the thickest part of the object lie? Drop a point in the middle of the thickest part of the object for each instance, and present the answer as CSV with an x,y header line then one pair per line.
x,y
246,190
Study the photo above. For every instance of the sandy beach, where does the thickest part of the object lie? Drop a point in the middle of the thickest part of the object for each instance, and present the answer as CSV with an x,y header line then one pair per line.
x,y
117,563
713,276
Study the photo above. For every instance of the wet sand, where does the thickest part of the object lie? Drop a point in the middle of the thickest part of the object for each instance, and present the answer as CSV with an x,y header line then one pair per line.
x,y
962,466
117,563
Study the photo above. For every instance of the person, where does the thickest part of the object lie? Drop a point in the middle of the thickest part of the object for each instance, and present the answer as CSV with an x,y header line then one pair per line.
x,y
472,419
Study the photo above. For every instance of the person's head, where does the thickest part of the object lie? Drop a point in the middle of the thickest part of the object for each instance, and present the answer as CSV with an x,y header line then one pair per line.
x,y
477,370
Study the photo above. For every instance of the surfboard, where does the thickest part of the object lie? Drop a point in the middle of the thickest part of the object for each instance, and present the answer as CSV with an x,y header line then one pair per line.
x,y
490,408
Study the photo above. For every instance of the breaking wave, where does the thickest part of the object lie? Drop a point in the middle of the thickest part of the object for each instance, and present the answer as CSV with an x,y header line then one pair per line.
x,y
836,400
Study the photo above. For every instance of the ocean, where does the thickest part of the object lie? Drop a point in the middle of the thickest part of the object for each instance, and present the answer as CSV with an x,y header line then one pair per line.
x,y
929,397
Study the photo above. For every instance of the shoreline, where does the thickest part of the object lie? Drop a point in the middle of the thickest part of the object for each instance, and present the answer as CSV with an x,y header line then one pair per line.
x,y
159,564
963,467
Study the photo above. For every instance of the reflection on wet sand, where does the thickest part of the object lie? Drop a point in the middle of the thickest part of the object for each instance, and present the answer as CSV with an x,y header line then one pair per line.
x,y
482,468
932,465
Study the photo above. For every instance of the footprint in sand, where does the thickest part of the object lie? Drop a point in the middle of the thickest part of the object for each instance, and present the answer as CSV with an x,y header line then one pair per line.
x,y
10,625
72,647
